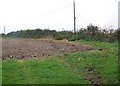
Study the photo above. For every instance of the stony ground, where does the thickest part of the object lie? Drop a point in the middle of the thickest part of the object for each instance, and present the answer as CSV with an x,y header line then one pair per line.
x,y
37,48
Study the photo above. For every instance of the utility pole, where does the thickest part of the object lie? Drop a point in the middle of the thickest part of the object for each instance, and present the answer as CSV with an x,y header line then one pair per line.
x,y
119,15
74,16
4,30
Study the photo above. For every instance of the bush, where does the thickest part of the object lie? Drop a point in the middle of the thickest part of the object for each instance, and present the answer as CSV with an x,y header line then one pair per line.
x,y
91,33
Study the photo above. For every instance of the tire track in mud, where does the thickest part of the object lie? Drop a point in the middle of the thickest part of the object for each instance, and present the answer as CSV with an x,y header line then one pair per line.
x,y
93,75
90,72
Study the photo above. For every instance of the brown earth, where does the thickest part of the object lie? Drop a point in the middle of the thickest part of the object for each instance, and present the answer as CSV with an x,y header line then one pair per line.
x,y
37,48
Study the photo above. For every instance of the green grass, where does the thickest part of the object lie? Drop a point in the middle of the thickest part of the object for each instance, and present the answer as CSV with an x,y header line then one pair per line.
x,y
103,63
38,72
68,68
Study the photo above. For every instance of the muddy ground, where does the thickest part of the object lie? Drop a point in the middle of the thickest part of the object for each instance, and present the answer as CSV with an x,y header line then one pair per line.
x,y
37,48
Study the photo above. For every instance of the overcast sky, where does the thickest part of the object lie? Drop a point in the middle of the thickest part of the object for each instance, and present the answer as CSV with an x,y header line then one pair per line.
x,y
56,14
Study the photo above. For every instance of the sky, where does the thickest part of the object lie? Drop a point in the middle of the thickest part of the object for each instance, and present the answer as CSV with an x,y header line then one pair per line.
x,y
57,14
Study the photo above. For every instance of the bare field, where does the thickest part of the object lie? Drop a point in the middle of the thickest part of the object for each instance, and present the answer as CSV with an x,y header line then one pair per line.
x,y
37,48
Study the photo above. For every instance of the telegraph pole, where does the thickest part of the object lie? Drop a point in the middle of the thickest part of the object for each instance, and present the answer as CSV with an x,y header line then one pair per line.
x,y
74,16
4,30
119,15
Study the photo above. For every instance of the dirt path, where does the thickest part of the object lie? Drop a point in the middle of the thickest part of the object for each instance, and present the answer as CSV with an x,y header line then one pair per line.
x,y
37,48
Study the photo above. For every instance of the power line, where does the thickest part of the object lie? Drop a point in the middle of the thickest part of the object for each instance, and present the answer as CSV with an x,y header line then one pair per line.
x,y
48,13
56,10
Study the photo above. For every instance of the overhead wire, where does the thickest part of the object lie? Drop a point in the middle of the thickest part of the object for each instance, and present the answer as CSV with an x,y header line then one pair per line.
x,y
54,11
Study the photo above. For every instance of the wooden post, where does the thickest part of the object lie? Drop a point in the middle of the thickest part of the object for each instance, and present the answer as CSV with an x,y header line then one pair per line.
x,y
119,14
4,30
74,17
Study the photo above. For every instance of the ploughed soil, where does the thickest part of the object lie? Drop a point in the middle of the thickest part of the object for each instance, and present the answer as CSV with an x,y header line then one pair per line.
x,y
37,48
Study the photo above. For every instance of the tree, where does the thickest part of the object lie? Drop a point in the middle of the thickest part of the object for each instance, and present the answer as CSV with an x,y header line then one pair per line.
x,y
92,28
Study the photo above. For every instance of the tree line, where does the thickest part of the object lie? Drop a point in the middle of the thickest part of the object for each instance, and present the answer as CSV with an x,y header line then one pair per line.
x,y
90,33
